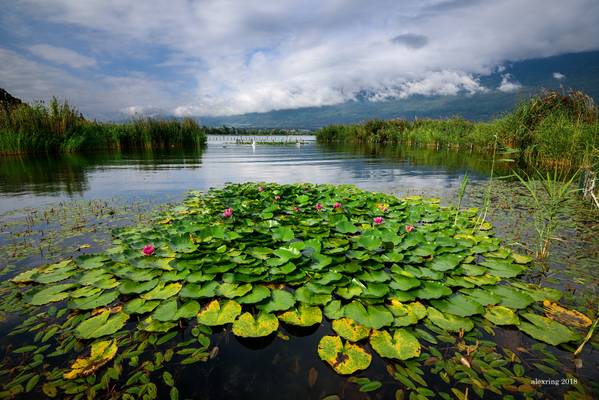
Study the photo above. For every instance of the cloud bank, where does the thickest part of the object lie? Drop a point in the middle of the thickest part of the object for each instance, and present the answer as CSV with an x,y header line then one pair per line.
x,y
224,57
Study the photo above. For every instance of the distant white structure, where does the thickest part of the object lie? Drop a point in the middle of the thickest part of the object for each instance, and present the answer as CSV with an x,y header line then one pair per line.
x,y
558,75
253,144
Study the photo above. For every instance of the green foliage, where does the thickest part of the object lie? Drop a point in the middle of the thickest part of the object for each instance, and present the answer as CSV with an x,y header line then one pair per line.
x,y
59,127
546,128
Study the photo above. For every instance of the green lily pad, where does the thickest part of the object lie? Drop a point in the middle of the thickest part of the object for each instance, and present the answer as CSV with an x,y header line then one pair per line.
x,y
303,315
500,315
458,304
162,291
546,329
140,306
219,313
306,296
133,287
101,325
503,268
402,346
166,311
98,300
346,227
446,262
345,358
512,298
451,323
280,300
50,294
232,290
372,316
194,291
257,294
350,330
430,290
248,326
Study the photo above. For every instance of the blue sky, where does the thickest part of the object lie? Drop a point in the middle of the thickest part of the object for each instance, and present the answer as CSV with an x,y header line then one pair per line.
x,y
198,58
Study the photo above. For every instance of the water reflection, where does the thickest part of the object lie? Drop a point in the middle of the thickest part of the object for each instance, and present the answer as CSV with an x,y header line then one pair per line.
x,y
34,181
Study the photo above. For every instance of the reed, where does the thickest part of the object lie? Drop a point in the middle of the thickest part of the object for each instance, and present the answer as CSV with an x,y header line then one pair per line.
x,y
59,128
548,129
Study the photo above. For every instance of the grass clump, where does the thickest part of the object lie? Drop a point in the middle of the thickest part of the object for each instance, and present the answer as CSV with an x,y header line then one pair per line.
x,y
551,128
60,128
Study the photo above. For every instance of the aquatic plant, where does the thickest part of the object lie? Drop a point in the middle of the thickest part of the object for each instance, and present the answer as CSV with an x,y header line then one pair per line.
x,y
548,192
388,287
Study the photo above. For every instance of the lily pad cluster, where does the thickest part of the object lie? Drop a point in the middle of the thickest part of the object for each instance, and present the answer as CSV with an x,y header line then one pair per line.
x,y
251,257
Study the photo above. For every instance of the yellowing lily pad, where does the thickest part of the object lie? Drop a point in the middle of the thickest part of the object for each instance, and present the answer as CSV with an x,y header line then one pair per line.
x,y
248,326
406,314
350,330
344,358
302,315
219,313
101,353
566,316
402,346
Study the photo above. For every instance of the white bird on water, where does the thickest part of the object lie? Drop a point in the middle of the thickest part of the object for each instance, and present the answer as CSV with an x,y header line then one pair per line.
x,y
253,144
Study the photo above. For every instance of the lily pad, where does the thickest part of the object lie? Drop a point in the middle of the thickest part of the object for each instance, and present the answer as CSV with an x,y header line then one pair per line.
x,y
280,300
350,330
546,329
248,326
566,316
303,315
101,325
451,323
219,313
500,315
50,294
402,346
375,316
345,358
458,304
101,353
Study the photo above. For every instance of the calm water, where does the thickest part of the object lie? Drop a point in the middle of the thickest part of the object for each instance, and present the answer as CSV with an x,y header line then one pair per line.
x,y
32,182
279,368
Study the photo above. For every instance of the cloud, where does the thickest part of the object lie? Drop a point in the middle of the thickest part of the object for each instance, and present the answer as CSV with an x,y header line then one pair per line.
x,y
410,40
228,57
61,55
508,84
558,76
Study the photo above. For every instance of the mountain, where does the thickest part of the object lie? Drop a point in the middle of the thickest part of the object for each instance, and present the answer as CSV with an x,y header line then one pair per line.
x,y
578,71
7,100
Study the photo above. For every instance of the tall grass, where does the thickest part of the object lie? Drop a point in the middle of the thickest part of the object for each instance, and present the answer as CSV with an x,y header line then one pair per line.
x,y
58,127
550,128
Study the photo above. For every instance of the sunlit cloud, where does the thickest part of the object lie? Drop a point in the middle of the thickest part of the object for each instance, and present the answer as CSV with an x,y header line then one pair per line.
x,y
199,58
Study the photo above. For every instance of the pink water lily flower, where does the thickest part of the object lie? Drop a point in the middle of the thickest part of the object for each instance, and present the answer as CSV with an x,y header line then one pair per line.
x,y
148,250
296,209
319,206
260,189
409,228
378,220
277,197
337,205
228,213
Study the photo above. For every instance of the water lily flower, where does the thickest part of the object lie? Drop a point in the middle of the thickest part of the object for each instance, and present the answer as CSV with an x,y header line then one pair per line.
x,y
260,189
319,206
296,209
228,213
277,197
409,228
337,205
148,250
378,220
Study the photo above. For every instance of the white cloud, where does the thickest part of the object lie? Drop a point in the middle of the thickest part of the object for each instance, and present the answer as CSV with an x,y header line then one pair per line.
x,y
238,57
558,76
62,56
508,84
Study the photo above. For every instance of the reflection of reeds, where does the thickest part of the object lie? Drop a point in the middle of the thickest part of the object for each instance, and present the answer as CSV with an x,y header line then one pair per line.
x,y
58,127
548,129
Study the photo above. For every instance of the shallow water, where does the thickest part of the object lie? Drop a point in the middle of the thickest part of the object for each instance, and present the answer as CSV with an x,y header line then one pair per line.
x,y
280,368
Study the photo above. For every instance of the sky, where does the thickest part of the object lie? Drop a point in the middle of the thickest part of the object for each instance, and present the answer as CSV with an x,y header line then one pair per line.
x,y
213,58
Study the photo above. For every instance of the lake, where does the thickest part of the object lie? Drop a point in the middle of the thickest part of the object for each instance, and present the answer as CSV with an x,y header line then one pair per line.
x,y
285,366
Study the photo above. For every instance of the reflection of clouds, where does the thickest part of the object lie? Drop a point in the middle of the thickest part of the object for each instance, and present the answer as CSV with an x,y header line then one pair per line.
x,y
238,163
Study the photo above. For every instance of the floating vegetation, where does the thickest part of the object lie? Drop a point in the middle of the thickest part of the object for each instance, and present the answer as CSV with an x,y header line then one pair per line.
x,y
399,279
